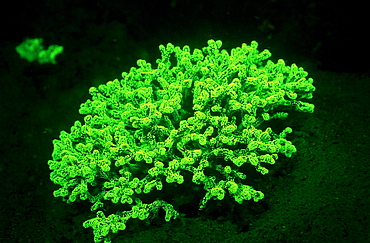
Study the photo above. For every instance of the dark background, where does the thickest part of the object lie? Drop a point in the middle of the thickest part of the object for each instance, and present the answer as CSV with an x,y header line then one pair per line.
x,y
321,194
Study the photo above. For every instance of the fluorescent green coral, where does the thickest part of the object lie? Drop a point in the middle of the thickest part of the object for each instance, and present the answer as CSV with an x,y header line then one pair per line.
x,y
198,115
33,50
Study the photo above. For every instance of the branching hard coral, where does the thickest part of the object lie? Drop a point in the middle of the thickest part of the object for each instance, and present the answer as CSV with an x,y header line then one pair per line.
x,y
193,120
